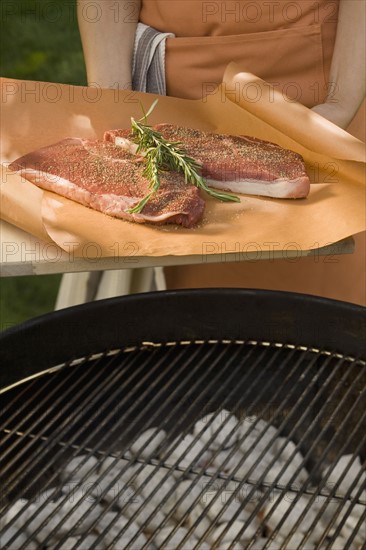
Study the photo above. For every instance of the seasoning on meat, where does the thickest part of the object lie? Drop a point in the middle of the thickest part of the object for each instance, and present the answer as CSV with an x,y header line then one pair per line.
x,y
240,164
109,179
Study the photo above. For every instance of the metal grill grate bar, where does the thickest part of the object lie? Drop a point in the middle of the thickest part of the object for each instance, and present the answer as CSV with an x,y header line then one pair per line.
x,y
267,492
190,391
34,404
182,541
322,459
226,400
151,475
300,492
18,404
69,396
231,476
168,388
154,381
107,388
347,440
206,446
167,496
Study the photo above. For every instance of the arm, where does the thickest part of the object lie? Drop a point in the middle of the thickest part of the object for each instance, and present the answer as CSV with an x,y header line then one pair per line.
x,y
347,72
107,30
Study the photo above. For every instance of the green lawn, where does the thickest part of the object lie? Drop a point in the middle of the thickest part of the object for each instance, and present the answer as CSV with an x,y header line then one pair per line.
x,y
39,41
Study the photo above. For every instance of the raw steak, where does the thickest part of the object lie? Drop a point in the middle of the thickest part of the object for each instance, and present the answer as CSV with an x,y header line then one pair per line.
x,y
240,164
109,179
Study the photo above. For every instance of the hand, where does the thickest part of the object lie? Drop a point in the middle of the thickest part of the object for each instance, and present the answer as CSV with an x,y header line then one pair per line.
x,y
334,113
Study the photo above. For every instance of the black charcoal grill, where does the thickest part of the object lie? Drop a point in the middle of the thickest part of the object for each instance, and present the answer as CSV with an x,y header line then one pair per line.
x,y
87,381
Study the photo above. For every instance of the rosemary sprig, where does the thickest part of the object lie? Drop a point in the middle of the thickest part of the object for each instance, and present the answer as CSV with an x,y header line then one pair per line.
x,y
161,155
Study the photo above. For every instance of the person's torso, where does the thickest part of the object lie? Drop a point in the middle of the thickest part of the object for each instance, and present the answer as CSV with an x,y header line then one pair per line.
x,y
193,18
289,44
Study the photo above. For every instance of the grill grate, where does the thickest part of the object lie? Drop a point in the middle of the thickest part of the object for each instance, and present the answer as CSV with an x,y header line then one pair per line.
x,y
97,408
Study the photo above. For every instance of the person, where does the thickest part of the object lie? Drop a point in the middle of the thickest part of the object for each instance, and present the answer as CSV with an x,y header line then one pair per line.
x,y
313,49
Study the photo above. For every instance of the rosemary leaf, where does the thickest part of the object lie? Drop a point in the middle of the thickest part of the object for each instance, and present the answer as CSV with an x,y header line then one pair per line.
x,y
137,209
160,155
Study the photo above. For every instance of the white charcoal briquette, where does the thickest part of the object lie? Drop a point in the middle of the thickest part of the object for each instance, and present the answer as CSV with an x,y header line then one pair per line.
x,y
225,461
246,423
197,498
157,486
76,469
67,544
172,541
40,515
281,475
124,540
337,544
252,466
111,532
187,457
350,526
111,461
284,505
292,459
118,471
21,505
244,492
335,513
187,495
253,428
252,496
152,475
216,503
348,518
229,531
21,538
76,490
353,471
229,545
87,541
262,542
58,524
142,517
155,492
206,482
117,465
224,423
294,541
112,487
147,443
202,429
203,525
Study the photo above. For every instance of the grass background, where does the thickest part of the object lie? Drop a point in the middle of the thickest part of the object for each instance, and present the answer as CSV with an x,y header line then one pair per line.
x,y
39,41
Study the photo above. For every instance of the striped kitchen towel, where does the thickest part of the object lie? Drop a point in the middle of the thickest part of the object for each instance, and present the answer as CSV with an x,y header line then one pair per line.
x,y
148,66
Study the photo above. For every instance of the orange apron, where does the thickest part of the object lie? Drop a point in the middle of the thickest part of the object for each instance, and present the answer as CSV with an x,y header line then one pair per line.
x,y
290,45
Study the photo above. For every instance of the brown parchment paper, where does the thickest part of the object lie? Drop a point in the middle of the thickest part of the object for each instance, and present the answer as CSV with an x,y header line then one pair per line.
x,y
35,114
